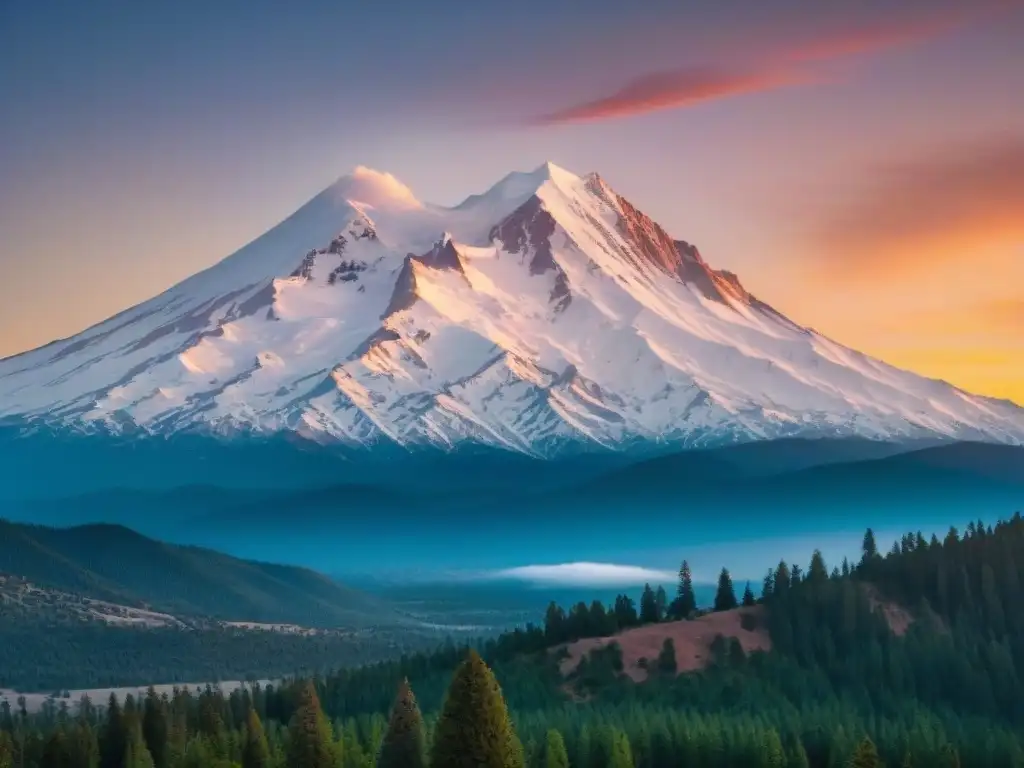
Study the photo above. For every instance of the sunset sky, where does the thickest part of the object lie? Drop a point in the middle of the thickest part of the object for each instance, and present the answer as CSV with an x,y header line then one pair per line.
x,y
861,169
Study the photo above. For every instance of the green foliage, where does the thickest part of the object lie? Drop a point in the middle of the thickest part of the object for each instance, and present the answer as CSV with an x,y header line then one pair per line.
x,y
555,755
255,752
57,752
621,755
725,596
154,728
404,743
667,664
84,748
748,596
839,686
109,562
114,742
649,606
49,655
866,755
310,742
474,729
685,602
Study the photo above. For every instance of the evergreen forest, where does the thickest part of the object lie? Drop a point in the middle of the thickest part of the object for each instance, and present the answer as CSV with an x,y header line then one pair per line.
x,y
842,685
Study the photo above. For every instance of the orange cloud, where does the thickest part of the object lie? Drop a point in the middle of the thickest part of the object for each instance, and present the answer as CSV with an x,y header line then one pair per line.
x,y
878,37
667,90
689,87
935,209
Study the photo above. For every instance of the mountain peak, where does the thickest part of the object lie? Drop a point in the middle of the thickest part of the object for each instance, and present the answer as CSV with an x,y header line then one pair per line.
x,y
546,312
376,189
550,170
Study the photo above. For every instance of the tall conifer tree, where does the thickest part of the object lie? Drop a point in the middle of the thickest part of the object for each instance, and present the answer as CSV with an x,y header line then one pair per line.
x,y
725,597
255,752
404,744
311,744
555,755
474,729
686,601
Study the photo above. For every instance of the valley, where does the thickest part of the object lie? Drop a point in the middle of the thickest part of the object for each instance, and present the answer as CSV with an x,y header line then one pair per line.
x,y
340,427
815,666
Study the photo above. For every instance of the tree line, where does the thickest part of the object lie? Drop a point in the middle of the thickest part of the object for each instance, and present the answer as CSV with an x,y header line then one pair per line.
x,y
842,685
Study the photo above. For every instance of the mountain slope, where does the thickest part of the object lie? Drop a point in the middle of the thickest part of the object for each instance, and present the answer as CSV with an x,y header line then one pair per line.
x,y
386,528
547,313
109,562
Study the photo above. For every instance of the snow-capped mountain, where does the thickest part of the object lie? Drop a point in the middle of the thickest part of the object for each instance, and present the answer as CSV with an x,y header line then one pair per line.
x,y
546,312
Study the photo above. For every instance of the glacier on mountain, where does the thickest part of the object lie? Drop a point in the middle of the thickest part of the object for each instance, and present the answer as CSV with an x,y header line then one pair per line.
x,y
545,313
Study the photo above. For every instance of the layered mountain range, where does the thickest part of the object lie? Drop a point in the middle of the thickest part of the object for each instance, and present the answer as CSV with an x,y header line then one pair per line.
x,y
545,314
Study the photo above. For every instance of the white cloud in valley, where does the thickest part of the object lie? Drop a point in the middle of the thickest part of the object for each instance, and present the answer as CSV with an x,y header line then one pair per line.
x,y
586,574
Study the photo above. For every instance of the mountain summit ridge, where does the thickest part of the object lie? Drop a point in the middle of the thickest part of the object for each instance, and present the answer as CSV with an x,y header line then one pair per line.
x,y
546,312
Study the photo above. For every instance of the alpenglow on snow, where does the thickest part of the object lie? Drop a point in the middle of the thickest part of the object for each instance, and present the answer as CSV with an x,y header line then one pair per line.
x,y
545,312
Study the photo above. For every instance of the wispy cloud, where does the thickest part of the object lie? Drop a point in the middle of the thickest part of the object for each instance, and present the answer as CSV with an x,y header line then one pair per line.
x,y
875,38
939,207
668,90
788,67
586,574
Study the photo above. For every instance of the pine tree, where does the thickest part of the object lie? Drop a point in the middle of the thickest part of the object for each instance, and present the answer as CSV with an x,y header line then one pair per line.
x,y
686,601
818,572
583,749
648,606
154,728
136,755
555,755
869,548
866,755
177,734
255,752
474,729
311,742
625,612
554,624
211,724
85,751
621,754
748,596
667,663
725,597
782,578
798,756
404,744
115,736
660,602
197,754
57,751
772,754
768,585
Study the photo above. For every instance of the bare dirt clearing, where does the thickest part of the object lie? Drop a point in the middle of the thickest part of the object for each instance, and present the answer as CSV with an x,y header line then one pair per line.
x,y
897,617
692,640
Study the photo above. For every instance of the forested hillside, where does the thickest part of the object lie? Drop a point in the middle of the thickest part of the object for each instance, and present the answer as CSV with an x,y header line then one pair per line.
x,y
110,562
843,685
